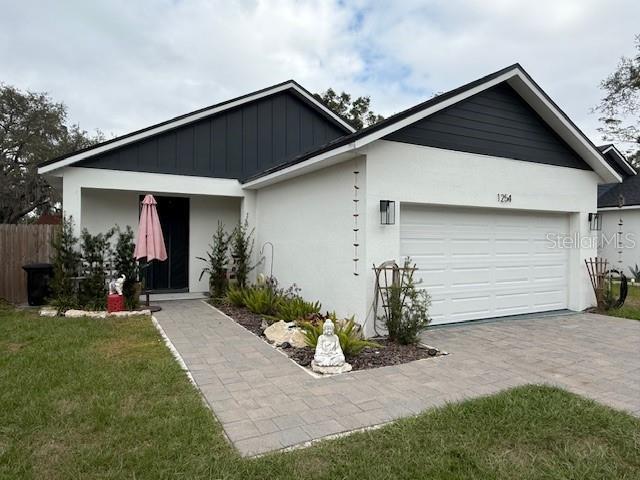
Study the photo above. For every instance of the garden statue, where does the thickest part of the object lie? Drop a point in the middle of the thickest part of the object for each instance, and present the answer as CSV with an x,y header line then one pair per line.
x,y
329,357
116,286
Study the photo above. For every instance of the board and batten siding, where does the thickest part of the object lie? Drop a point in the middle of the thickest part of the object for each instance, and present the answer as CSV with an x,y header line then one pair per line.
x,y
496,122
233,144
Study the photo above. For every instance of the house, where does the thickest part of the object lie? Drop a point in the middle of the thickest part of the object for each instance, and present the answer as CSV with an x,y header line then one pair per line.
x,y
619,211
485,187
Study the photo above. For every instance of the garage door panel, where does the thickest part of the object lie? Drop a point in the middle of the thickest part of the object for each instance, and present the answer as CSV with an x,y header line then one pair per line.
x,y
479,263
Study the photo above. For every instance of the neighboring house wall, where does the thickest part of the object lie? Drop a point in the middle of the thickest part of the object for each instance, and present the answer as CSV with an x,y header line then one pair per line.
x,y
494,122
233,144
98,201
417,174
309,220
630,238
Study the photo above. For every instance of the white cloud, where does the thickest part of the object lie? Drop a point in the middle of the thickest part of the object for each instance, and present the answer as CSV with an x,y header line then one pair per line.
x,y
122,65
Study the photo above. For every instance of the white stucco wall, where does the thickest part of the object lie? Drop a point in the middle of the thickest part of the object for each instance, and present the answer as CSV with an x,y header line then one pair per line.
x,y
309,220
629,240
100,199
411,173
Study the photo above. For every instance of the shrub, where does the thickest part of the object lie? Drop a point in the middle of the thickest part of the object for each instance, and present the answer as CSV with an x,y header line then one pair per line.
x,y
216,260
350,337
125,264
66,264
96,252
261,299
292,308
407,309
241,250
635,272
235,296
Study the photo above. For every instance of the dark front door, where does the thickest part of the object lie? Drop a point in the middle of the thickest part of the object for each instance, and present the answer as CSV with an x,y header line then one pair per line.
x,y
172,274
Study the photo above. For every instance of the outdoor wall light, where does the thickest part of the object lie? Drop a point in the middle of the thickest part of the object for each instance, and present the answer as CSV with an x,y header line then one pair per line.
x,y
387,212
595,221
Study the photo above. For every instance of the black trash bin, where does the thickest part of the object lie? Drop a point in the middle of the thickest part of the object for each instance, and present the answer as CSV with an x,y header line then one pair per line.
x,y
38,278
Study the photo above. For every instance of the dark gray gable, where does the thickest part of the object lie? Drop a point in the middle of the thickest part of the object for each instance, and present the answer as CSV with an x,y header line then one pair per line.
x,y
495,122
235,143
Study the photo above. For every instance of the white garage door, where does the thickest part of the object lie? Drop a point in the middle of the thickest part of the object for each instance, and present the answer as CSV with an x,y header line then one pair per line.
x,y
483,263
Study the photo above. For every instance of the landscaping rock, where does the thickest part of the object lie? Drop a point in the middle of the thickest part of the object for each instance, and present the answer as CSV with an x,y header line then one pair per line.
x,y
281,332
48,312
130,313
84,313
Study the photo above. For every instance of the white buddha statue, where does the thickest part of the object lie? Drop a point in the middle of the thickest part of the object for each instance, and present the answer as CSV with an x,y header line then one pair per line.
x,y
328,351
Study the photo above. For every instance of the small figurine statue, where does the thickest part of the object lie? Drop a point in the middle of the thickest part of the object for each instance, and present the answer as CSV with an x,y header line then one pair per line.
x,y
119,284
329,357
115,286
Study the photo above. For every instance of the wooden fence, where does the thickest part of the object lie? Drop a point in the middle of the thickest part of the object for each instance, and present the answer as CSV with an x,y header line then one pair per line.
x,y
19,245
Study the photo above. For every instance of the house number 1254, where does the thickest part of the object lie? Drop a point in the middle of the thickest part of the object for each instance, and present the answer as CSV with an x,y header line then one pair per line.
x,y
504,198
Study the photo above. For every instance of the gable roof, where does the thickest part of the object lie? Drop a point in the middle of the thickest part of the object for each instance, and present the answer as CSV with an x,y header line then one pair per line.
x,y
514,75
617,160
188,118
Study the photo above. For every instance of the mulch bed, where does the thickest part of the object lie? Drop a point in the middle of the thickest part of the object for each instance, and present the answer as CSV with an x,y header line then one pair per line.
x,y
389,353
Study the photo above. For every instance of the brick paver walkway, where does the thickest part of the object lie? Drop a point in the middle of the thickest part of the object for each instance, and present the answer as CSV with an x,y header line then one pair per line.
x,y
266,402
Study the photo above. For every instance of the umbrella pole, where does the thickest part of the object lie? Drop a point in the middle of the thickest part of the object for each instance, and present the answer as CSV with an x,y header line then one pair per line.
x,y
153,308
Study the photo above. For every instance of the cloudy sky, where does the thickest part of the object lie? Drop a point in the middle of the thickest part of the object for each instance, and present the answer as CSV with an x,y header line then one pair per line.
x,y
120,65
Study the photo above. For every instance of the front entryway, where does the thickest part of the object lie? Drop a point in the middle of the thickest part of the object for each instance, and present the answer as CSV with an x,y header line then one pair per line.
x,y
481,263
173,274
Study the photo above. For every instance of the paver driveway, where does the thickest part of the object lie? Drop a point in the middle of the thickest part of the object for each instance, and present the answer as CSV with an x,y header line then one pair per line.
x,y
266,402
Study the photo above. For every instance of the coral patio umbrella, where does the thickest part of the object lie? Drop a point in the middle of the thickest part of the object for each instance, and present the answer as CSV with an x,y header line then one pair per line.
x,y
150,242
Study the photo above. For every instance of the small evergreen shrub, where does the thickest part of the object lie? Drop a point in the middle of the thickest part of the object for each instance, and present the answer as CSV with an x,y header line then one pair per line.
x,y
261,299
66,265
235,296
407,309
350,337
217,260
241,244
295,308
96,253
125,264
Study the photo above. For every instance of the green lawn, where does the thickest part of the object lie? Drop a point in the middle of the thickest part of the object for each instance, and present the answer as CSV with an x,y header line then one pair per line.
x,y
631,307
87,399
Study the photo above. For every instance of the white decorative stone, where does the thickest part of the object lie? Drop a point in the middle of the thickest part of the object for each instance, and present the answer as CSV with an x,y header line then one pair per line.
x,y
281,332
130,313
48,312
85,313
329,357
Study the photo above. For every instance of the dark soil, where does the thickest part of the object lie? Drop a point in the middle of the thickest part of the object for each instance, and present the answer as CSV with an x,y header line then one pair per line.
x,y
249,320
389,353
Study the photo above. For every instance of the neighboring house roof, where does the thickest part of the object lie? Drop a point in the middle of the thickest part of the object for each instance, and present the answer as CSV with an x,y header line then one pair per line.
x,y
195,116
616,195
514,75
617,160
626,194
